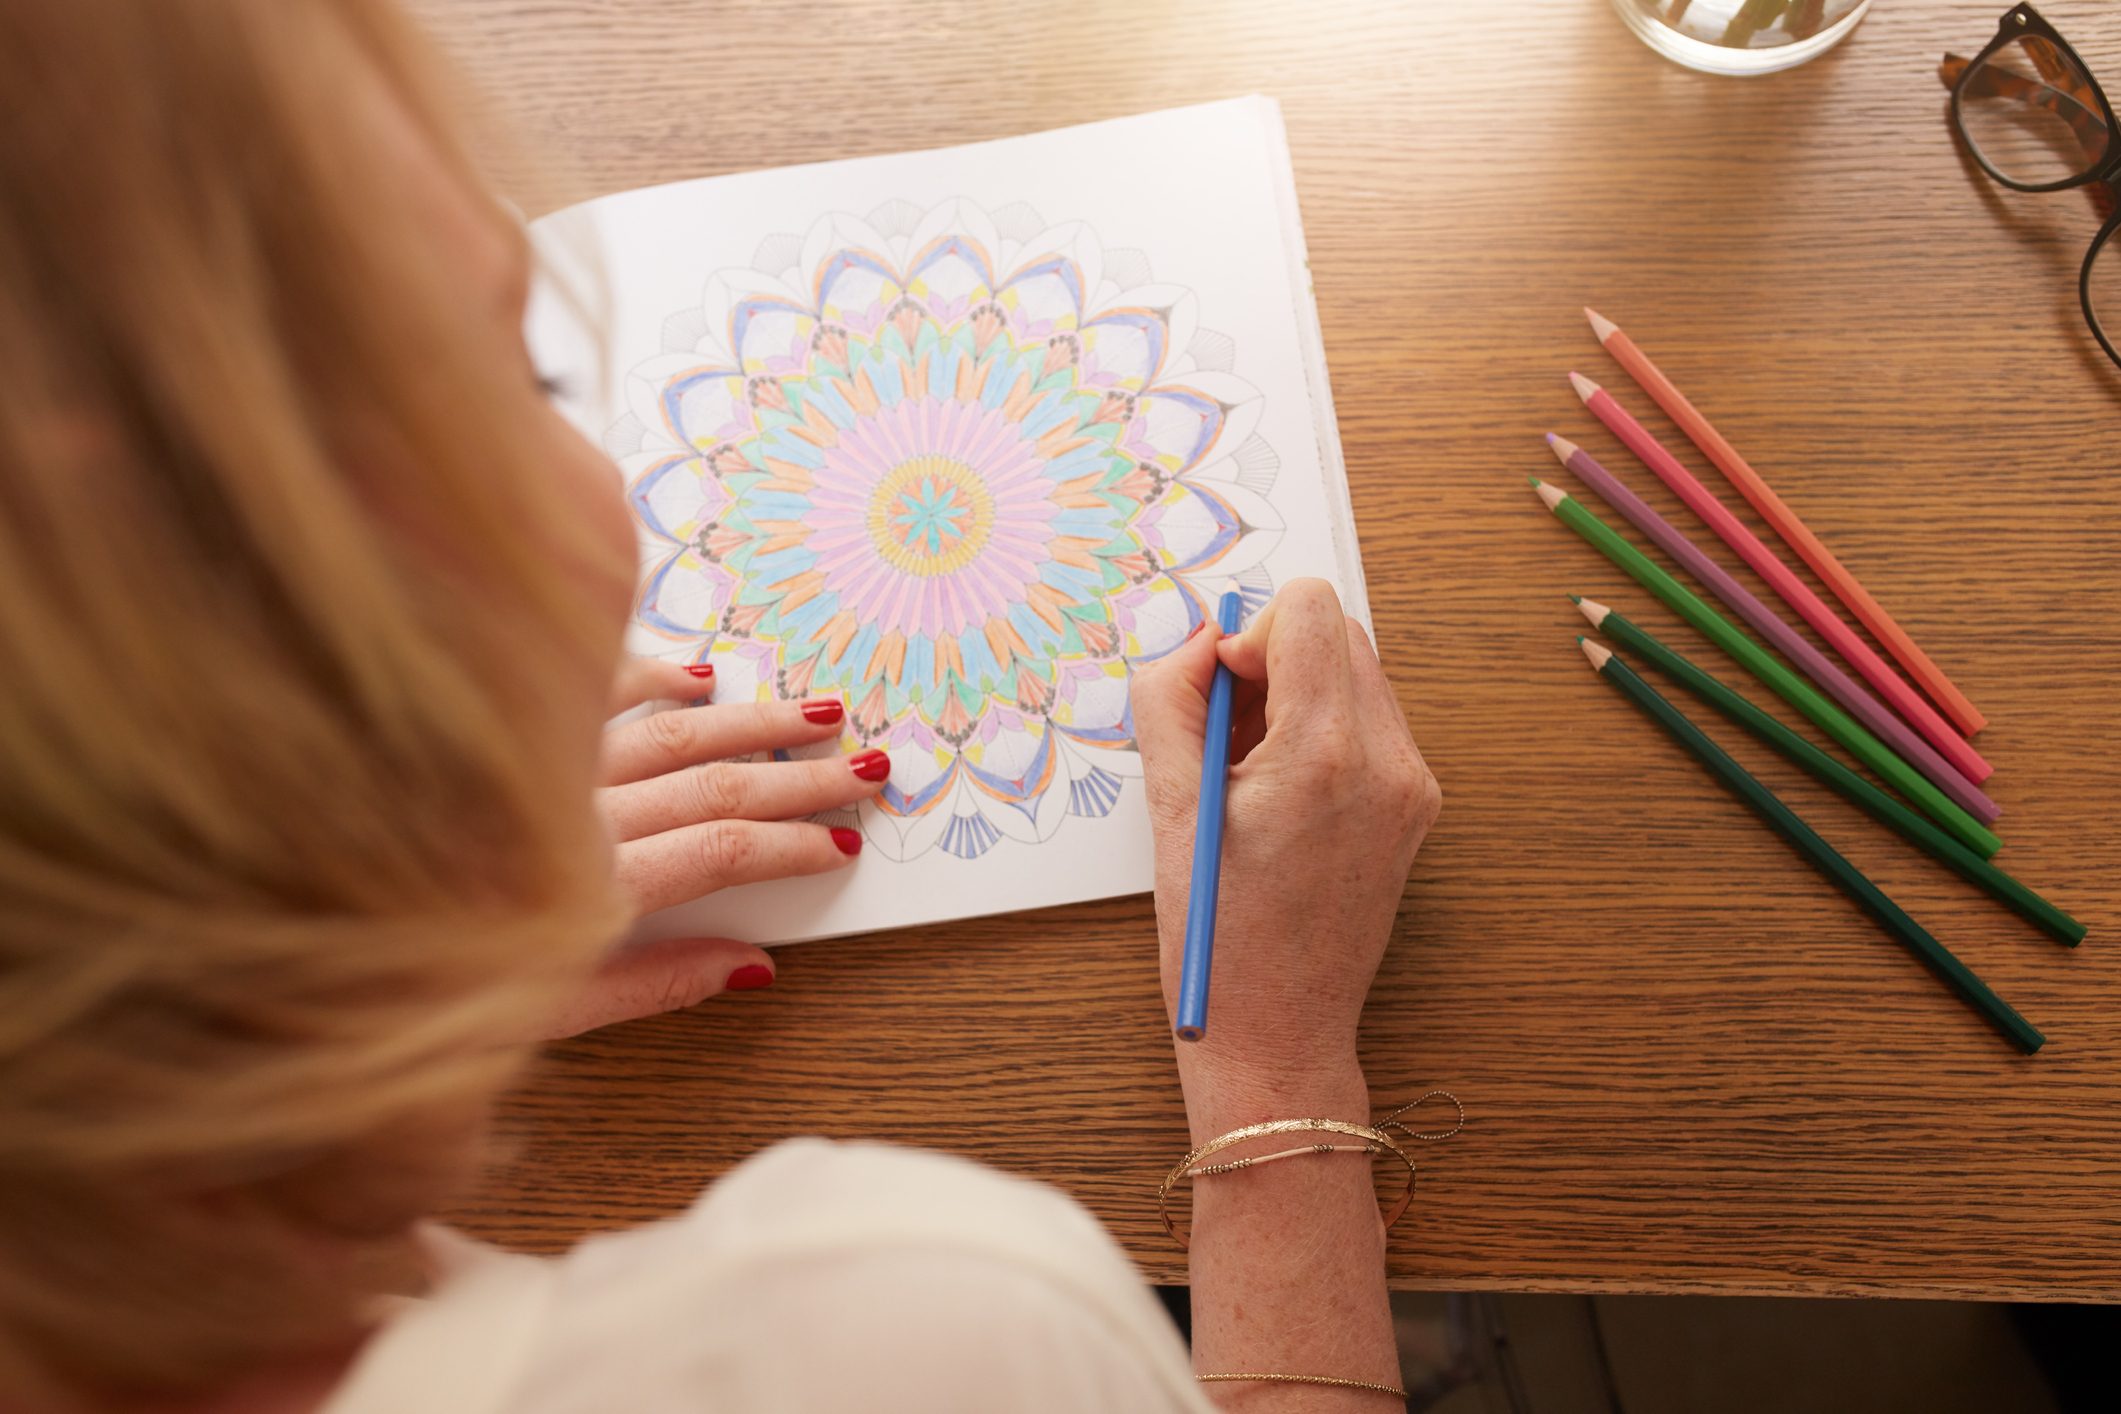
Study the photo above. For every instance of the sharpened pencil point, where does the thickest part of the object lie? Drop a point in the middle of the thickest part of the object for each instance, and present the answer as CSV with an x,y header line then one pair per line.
x,y
1584,387
1575,598
1562,448
1594,611
1598,653
1601,326
1552,495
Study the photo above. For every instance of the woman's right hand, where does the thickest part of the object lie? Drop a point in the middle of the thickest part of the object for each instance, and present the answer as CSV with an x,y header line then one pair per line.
x,y
1329,799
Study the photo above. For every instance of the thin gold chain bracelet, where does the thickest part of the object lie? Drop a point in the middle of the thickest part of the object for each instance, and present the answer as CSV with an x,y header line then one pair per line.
x,y
1301,1151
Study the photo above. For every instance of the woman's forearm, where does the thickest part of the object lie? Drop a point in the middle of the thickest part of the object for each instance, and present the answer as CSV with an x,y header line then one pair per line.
x,y
1328,801
1288,1264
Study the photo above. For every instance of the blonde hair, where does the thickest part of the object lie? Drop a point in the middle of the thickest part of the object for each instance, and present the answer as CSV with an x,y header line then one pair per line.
x,y
293,850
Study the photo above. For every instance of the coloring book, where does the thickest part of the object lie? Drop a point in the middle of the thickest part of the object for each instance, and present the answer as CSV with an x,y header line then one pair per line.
x,y
960,437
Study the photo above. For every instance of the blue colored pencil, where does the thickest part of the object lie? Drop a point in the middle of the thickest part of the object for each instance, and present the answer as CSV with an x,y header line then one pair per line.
x,y
1207,843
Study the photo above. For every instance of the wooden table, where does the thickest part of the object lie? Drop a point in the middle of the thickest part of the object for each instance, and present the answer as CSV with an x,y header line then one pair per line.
x,y
1689,1065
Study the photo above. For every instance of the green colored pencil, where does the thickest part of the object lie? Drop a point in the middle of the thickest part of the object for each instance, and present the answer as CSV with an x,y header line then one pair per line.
x,y
1822,855
1763,665
1881,806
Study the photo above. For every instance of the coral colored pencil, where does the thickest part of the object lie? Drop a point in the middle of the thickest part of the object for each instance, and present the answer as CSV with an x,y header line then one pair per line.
x,y
1794,591
1771,626
1793,531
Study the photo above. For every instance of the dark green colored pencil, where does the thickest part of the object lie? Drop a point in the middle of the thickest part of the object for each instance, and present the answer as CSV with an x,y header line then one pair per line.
x,y
1822,855
1881,806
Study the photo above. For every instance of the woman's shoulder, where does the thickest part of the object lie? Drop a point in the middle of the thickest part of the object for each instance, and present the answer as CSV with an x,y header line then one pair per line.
x,y
821,1275
808,1195
824,1275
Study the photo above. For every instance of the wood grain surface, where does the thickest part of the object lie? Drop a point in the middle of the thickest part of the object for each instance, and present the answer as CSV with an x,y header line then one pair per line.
x,y
1689,1065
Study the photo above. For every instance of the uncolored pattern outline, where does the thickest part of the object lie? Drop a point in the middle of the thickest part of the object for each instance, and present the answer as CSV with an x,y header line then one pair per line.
x,y
961,469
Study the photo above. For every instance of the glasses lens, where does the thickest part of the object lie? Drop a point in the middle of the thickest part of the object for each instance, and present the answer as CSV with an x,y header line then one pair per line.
x,y
2102,288
2032,115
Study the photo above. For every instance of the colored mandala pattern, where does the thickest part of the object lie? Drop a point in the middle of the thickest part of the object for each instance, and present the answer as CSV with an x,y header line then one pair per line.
x,y
960,470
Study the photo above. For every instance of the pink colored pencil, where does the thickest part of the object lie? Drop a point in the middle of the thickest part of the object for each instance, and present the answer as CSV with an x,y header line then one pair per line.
x,y
1798,595
1794,532
1792,644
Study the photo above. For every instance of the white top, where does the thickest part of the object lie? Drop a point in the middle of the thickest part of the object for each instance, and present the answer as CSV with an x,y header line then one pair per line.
x,y
815,1277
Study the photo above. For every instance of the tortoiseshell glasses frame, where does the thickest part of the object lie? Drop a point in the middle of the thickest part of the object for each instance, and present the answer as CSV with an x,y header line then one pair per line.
x,y
2075,137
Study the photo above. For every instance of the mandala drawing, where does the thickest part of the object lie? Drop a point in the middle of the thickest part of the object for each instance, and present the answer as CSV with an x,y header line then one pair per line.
x,y
961,470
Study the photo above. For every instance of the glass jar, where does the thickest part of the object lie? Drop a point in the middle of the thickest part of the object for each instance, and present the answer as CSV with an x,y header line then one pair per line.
x,y
1741,36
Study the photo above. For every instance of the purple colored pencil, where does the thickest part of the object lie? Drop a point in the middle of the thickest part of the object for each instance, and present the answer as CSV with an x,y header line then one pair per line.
x,y
1865,708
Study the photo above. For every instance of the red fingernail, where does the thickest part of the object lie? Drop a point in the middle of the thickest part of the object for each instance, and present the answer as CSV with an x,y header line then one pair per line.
x,y
824,710
1195,629
750,979
700,670
870,766
848,841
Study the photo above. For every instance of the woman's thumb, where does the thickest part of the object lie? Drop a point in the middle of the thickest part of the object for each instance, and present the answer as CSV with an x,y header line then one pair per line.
x,y
645,979
1170,701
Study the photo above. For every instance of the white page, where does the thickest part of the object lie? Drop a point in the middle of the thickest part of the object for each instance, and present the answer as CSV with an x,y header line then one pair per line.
x,y
901,425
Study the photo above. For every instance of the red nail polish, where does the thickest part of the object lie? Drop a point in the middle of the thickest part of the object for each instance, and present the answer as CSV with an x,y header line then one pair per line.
x,y
848,841
824,710
871,765
700,670
750,979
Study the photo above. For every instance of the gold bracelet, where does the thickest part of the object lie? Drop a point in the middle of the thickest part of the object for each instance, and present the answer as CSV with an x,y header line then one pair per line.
x,y
1332,1381
1210,1170
1191,1167
1378,1143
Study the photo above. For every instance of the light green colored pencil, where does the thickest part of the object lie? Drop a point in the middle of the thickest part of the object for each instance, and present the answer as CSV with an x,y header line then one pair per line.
x,y
1764,666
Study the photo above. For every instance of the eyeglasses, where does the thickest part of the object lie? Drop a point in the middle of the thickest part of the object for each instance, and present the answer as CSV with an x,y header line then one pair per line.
x,y
2035,119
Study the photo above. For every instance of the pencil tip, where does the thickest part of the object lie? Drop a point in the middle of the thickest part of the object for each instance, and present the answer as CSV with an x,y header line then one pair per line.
x,y
1603,327
1562,448
1594,611
1533,479
1598,653
1552,495
1584,387
1575,598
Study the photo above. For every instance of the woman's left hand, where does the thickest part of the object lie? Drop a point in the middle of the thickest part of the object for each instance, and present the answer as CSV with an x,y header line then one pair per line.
x,y
691,816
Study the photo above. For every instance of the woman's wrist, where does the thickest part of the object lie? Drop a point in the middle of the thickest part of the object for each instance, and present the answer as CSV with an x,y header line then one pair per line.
x,y
1225,1093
